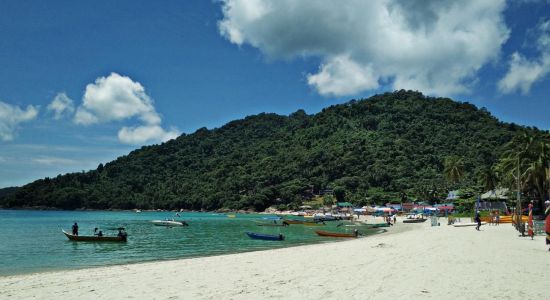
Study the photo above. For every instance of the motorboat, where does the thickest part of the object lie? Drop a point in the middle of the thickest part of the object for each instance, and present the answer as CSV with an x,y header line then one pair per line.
x,y
169,223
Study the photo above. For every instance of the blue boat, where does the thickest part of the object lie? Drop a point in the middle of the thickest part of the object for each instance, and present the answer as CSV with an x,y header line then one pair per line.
x,y
267,237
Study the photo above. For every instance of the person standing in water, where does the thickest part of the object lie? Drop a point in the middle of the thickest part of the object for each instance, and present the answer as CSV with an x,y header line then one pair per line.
x,y
75,228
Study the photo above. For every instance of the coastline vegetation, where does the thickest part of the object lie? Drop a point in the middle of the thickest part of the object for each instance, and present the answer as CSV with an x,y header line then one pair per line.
x,y
392,147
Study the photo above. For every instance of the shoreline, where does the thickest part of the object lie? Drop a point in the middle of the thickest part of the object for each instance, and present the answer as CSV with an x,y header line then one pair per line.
x,y
91,267
424,262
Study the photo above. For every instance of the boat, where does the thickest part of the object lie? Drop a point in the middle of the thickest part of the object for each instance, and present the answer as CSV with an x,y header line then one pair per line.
x,y
467,224
294,221
267,237
94,238
337,234
231,216
272,224
169,223
414,220
377,225
313,224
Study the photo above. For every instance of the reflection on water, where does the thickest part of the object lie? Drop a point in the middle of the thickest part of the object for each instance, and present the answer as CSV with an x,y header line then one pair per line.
x,y
32,240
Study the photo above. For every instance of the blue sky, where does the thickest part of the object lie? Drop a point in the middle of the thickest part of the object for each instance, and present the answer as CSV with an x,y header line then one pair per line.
x,y
83,82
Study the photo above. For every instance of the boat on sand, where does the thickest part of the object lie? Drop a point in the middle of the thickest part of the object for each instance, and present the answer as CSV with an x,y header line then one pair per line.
x,y
467,224
267,237
414,220
94,238
337,234
376,225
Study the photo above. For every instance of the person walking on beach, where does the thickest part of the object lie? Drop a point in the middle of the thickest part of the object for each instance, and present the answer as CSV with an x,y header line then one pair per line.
x,y
497,217
75,229
478,220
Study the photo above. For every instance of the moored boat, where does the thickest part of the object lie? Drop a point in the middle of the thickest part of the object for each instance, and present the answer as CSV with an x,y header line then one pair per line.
x,y
267,237
94,238
313,224
272,224
169,223
337,234
294,221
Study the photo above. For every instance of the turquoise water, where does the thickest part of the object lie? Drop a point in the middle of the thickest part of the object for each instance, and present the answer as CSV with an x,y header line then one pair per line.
x,y
32,241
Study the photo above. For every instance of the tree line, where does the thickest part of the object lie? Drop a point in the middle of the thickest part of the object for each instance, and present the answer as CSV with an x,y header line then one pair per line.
x,y
389,147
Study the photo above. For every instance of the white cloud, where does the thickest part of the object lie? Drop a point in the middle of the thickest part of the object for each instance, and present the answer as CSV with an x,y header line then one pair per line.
x,y
61,105
142,134
50,160
433,46
117,98
524,72
10,118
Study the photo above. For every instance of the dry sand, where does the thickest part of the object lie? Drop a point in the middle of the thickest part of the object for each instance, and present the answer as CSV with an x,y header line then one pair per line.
x,y
410,261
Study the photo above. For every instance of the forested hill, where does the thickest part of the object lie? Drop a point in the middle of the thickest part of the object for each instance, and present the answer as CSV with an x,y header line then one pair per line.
x,y
389,144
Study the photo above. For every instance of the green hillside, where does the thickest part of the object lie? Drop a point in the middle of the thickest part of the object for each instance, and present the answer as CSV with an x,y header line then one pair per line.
x,y
384,147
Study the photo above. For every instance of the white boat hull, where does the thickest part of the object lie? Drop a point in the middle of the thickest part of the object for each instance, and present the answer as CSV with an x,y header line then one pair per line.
x,y
467,224
169,223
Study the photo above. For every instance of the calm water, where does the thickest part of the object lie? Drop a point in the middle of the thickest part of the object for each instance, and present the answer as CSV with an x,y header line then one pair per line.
x,y
32,241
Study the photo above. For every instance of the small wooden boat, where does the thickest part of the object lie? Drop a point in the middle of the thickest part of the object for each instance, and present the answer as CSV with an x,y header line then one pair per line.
x,y
414,220
94,238
267,237
313,224
169,223
272,224
337,234
294,221
467,224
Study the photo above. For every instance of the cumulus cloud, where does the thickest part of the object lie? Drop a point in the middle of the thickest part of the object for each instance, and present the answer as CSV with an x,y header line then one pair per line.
x,y
433,46
117,98
10,118
61,106
142,134
524,72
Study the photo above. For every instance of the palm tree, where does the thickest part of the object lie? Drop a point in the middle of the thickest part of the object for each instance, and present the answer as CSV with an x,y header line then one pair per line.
x,y
526,163
488,178
453,168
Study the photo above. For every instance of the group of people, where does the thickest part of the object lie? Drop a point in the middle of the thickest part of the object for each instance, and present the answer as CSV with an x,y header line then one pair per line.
x,y
391,220
494,218
98,232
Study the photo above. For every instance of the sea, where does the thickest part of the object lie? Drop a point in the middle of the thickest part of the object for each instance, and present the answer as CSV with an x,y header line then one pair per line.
x,y
32,240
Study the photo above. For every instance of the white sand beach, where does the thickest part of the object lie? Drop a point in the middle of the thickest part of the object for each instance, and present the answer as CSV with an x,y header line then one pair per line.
x,y
410,261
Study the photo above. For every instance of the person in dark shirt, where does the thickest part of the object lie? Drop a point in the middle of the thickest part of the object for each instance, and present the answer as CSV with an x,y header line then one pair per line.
x,y
75,228
478,220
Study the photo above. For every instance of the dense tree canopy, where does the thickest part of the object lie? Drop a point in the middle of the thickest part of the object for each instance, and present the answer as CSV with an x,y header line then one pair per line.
x,y
391,144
